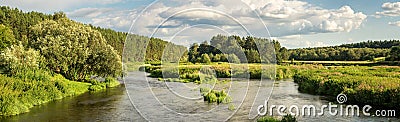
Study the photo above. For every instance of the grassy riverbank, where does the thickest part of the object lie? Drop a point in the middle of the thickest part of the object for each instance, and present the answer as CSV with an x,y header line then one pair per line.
x,y
378,86
190,72
23,91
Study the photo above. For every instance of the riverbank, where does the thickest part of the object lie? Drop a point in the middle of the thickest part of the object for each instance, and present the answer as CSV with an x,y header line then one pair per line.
x,y
190,72
377,86
21,92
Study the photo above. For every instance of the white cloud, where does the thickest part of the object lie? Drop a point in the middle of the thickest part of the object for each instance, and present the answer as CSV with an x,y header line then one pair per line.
x,y
119,20
88,12
288,41
283,18
395,23
390,9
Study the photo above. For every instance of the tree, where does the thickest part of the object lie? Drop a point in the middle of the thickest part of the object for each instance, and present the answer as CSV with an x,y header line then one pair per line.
x,y
205,58
232,58
75,50
284,53
16,59
6,37
193,53
216,58
252,56
59,15
395,53
277,47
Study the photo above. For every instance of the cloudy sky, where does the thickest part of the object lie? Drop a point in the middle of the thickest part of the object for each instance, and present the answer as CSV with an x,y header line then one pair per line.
x,y
302,23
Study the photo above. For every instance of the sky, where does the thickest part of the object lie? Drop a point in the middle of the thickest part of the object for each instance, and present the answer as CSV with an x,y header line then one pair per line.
x,y
294,23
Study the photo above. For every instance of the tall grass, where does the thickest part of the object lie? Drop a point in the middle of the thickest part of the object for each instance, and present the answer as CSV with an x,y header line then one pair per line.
x,y
23,91
225,70
376,86
29,88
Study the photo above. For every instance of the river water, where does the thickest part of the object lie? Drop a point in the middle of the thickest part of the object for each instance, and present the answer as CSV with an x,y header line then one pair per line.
x,y
115,104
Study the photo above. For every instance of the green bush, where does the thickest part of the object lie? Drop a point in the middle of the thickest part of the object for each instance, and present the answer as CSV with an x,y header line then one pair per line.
x,y
214,96
108,83
15,59
267,119
286,118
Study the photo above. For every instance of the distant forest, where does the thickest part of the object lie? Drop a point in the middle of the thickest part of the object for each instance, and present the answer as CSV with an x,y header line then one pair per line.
x,y
347,52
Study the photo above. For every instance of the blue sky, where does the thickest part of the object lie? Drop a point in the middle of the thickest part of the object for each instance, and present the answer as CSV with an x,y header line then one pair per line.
x,y
296,24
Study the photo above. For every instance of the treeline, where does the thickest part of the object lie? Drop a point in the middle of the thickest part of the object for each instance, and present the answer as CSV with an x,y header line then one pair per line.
x,y
337,54
246,49
373,44
152,50
237,50
362,51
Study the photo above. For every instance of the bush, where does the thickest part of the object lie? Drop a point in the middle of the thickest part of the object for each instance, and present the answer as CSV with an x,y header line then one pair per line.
x,y
108,83
16,59
267,119
212,96
286,118
111,82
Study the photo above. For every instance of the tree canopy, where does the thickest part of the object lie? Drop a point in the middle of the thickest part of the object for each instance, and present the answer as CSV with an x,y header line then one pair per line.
x,y
74,49
6,37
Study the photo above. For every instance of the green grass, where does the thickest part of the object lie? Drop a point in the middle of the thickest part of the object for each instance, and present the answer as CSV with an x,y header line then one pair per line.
x,y
19,93
22,91
286,118
190,72
108,83
330,62
215,96
378,86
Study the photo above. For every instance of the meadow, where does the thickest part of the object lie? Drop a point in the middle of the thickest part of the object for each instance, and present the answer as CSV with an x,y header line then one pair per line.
x,y
378,86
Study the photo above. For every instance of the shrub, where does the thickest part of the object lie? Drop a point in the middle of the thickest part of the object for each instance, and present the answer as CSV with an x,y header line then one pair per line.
x,y
16,59
286,118
267,119
212,96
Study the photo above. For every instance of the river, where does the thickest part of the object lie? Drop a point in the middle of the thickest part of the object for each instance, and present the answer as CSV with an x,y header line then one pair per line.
x,y
115,105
